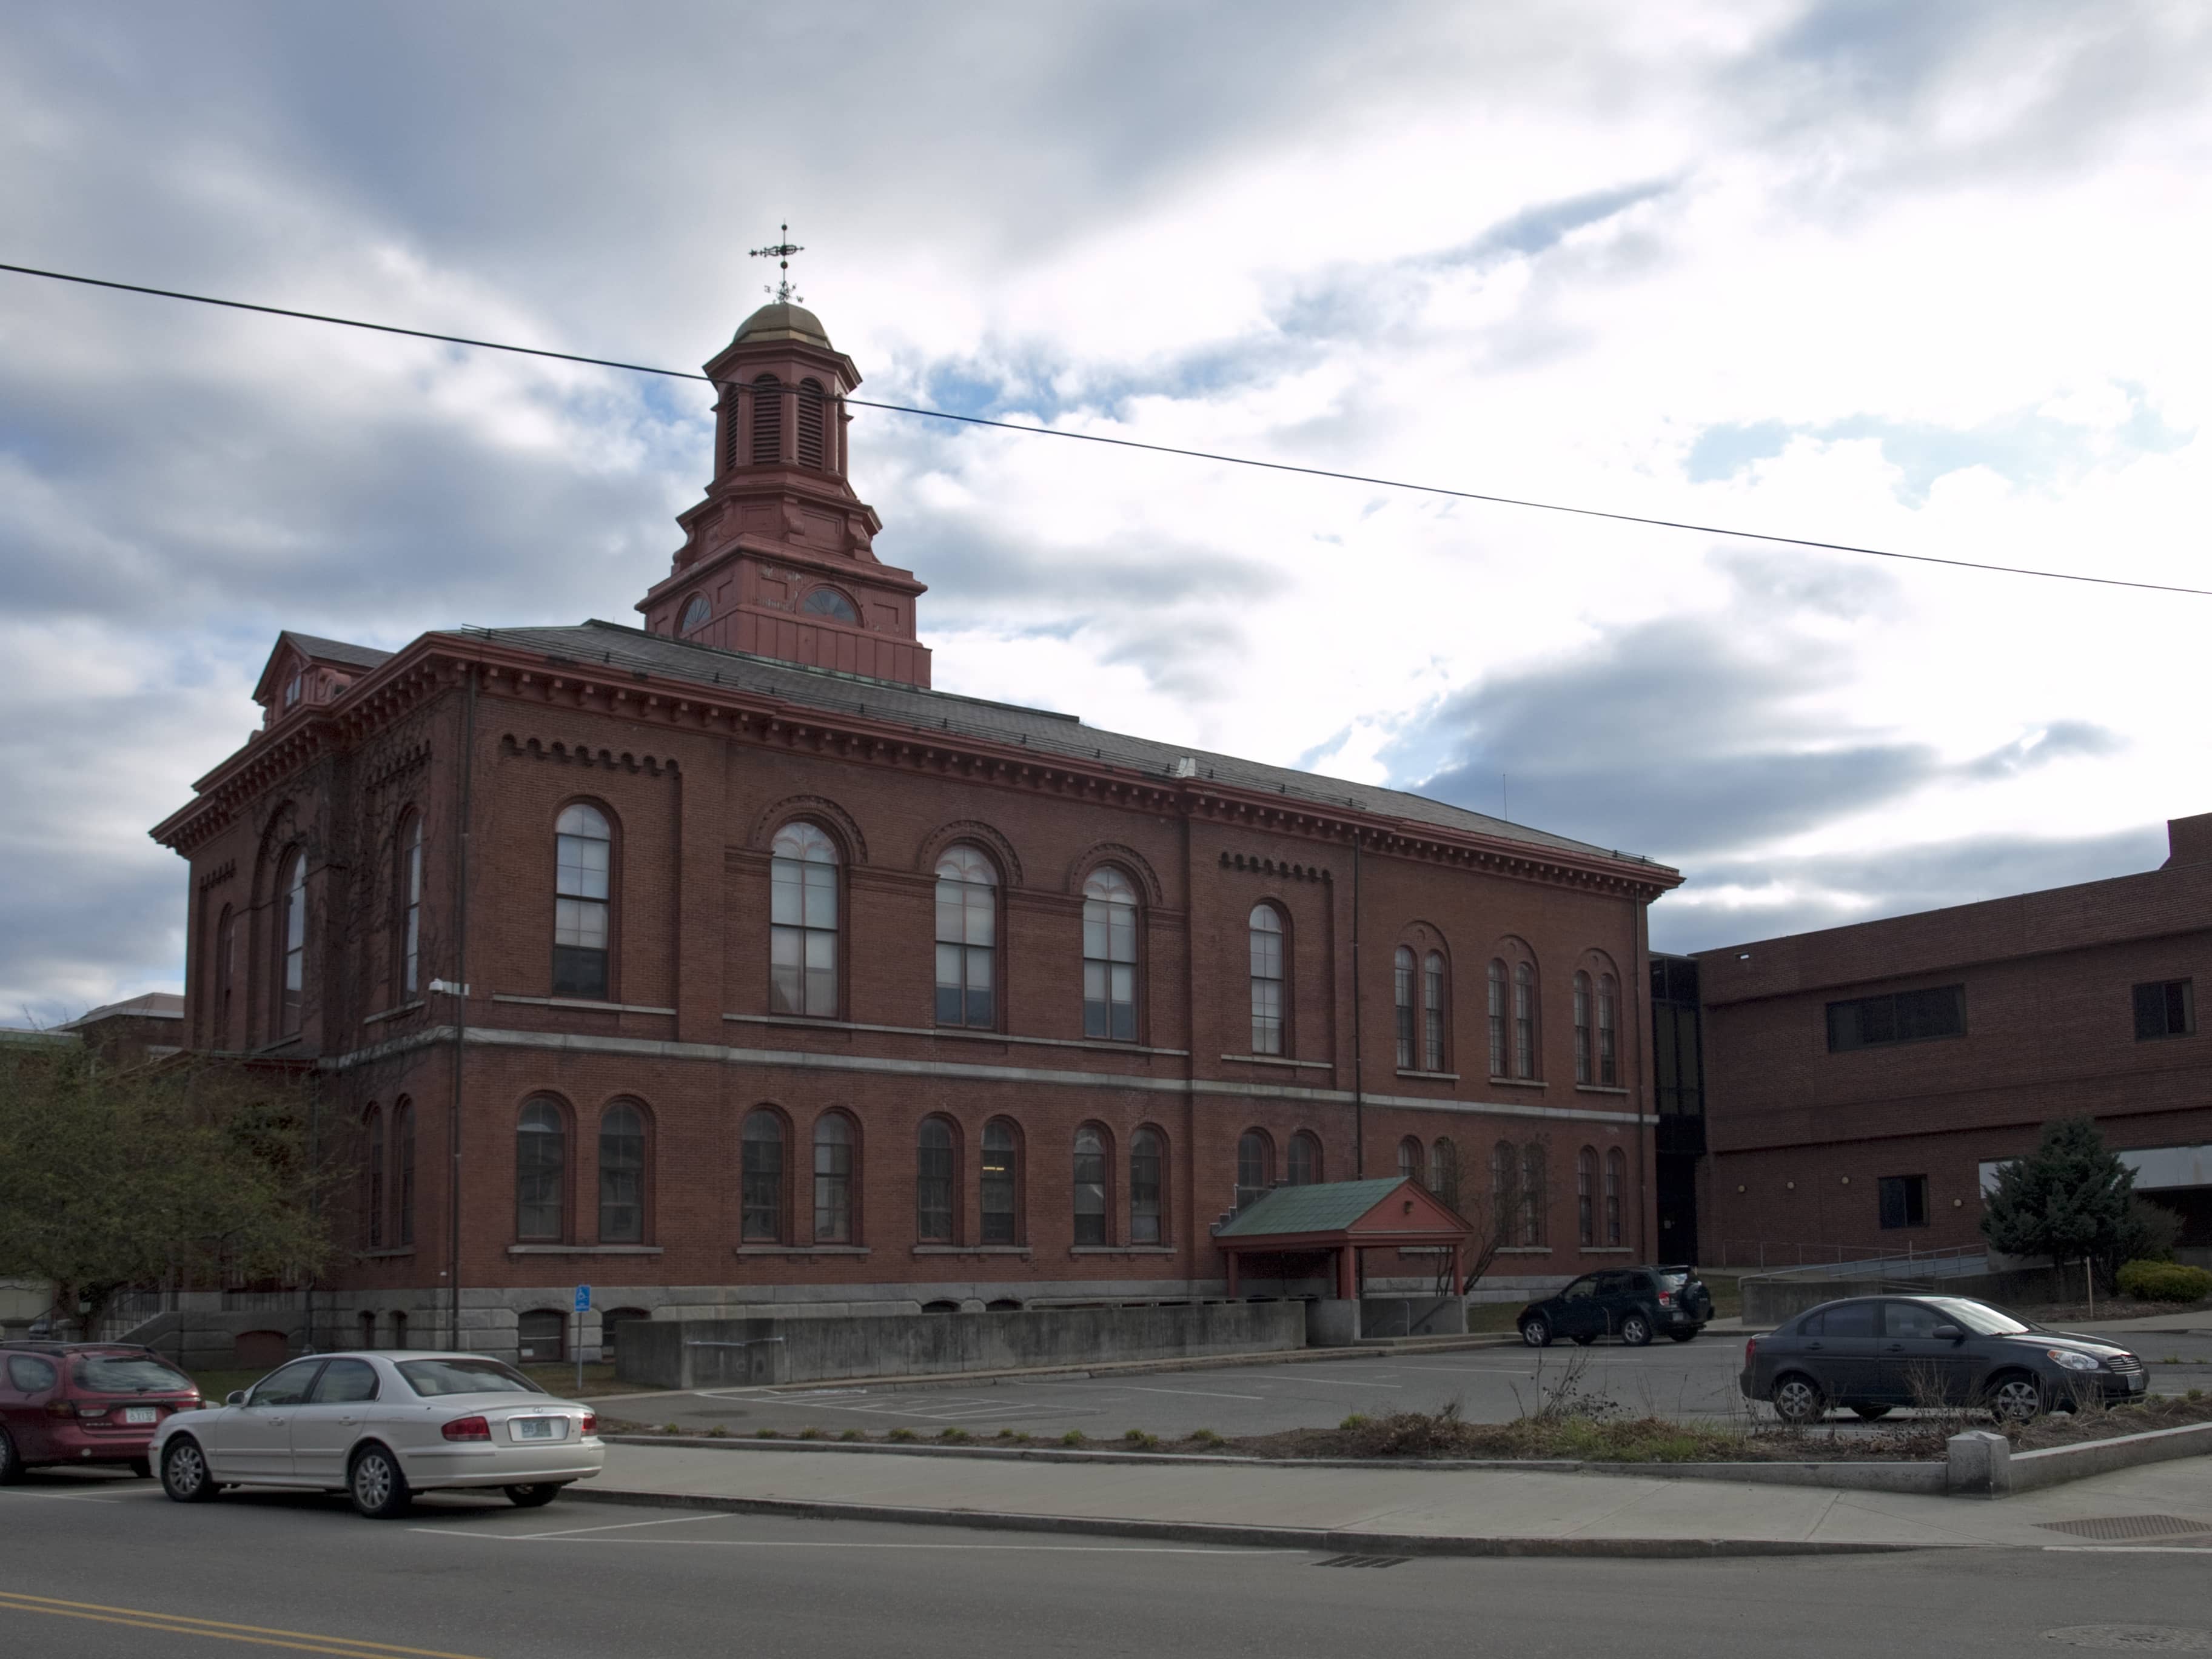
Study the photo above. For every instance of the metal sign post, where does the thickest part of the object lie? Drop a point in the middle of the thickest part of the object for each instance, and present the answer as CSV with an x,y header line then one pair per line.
x,y
583,1306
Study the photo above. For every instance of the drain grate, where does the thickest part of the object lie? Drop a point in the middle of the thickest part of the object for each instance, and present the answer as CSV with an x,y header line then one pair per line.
x,y
1365,1561
2128,1526
2133,1638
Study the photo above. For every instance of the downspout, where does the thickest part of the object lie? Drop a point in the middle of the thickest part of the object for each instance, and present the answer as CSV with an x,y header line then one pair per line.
x,y
1359,1013
460,1018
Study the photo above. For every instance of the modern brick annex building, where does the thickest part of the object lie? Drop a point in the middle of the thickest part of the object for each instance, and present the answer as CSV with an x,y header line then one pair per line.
x,y
1863,1084
722,961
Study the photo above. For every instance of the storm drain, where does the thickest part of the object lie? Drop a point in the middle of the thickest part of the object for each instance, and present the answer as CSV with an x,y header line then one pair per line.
x,y
1365,1561
2128,1526
2133,1638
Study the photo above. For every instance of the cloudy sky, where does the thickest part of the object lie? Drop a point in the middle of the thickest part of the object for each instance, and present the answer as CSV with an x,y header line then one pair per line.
x,y
1927,277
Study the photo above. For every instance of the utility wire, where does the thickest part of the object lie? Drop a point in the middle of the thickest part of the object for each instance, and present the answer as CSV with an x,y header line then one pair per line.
x,y
1132,443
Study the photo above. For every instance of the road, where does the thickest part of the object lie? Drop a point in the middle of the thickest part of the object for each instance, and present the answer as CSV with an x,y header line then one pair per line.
x,y
1492,1385
118,1572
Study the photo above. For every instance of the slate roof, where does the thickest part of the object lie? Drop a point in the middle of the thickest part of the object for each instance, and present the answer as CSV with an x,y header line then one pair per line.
x,y
1325,1207
322,650
1041,729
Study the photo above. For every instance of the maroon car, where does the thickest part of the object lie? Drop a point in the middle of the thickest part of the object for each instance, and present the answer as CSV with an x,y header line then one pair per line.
x,y
84,1402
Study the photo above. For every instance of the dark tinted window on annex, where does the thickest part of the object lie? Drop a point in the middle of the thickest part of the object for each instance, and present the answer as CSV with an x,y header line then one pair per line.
x,y
2163,1010
1901,1017
1903,1201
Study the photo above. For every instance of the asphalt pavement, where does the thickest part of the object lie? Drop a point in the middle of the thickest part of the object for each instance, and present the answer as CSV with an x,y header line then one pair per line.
x,y
111,1569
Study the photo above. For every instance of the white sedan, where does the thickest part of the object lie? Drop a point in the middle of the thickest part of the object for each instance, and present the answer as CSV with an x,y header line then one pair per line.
x,y
382,1427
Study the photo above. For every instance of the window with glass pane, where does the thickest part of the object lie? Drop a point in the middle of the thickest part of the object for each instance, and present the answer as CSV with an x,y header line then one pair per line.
x,y
1253,1171
803,923
1506,1191
1089,1187
374,1218
410,904
1411,1159
829,602
833,1180
1401,1002
1144,1168
1535,1200
933,1184
1524,1020
1303,1167
540,1162
1267,953
1444,1171
1109,956
1609,1066
1586,1197
1616,1175
584,856
293,936
698,613
402,1170
1000,1185
1432,1011
761,1180
967,938
622,1175
226,964
1582,1027
1498,1020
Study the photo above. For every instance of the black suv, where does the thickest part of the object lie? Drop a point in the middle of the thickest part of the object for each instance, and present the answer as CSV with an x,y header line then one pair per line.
x,y
1633,1303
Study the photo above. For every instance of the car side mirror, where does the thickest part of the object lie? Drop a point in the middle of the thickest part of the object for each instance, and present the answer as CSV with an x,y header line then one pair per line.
x,y
235,1397
1948,1333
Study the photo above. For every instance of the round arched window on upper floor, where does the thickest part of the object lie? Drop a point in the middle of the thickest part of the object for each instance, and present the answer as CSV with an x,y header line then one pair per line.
x,y
967,938
829,602
1109,955
698,613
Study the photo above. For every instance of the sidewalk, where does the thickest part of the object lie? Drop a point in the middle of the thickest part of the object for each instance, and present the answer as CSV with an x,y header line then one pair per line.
x,y
1406,1512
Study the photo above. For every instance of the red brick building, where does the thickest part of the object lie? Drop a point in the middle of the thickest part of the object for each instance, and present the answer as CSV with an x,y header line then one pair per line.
x,y
722,961
1862,1084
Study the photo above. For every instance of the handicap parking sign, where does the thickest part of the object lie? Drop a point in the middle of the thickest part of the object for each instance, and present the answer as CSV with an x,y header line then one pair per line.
x,y
583,1298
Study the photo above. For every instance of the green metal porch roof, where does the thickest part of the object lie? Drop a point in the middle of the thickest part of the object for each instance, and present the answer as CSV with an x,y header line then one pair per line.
x,y
1325,1207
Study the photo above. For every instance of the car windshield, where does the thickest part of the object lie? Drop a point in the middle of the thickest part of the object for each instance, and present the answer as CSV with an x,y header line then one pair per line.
x,y
1981,1318
432,1377
129,1374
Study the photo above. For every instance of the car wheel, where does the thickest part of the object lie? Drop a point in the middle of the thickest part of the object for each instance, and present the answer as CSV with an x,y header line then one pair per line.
x,y
536,1497
1798,1401
2016,1399
11,1464
1636,1330
1871,1413
376,1485
185,1473
1536,1331
1682,1336
1584,1341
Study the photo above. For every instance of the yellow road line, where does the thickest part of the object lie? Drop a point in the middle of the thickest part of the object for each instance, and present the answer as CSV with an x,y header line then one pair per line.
x,y
180,1625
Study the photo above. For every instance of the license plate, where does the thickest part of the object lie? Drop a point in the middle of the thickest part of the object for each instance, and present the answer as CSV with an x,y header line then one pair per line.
x,y
2136,1383
141,1414
539,1428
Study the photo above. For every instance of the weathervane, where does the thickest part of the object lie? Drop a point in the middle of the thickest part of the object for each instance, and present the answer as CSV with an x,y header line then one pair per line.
x,y
780,251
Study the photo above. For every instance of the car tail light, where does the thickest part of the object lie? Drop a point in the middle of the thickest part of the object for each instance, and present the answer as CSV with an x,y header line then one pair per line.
x,y
1750,1350
468,1428
591,1423
1666,1298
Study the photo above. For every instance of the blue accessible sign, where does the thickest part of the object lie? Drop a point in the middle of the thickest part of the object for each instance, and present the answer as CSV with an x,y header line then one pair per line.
x,y
583,1298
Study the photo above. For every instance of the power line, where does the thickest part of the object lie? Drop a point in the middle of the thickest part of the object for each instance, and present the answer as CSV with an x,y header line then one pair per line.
x,y
1133,443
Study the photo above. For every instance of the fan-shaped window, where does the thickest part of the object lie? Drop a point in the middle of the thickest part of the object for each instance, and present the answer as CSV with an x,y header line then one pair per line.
x,y
1109,956
1432,1011
622,1175
1001,1193
833,1179
1411,1159
760,1179
1616,1177
403,1171
1304,1167
1255,1167
292,942
935,1182
967,938
1608,1063
810,423
1444,1171
1147,1173
698,613
767,420
372,1215
803,923
1524,1020
1536,1200
829,602
584,859
1265,931
1402,1000
541,1164
1498,996
1089,1195
1586,1196
1582,1048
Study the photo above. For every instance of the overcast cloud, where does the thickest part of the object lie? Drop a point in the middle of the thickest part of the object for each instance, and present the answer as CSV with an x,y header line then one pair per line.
x,y
1927,277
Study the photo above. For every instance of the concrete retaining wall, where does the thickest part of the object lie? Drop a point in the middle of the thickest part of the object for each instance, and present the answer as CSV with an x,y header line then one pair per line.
x,y
1770,1300
693,1353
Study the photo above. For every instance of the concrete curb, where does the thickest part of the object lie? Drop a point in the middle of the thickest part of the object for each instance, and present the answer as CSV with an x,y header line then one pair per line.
x,y
2055,1464
1232,1536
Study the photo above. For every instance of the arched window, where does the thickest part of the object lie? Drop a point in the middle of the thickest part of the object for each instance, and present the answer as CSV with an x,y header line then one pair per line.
x,y
541,1166
403,1171
1267,1001
803,923
967,939
584,859
622,1175
935,1182
292,942
829,602
411,905
1616,1177
1583,1073
698,613
1413,1161
760,1194
833,1179
1535,1204
1001,1184
226,974
372,1215
1090,1193
1255,1167
1524,1020
1401,998
1444,1171
767,420
1497,1005
1586,1196
1608,1064
1147,1184
1506,1192
1432,1011
1109,956
810,423
1304,1165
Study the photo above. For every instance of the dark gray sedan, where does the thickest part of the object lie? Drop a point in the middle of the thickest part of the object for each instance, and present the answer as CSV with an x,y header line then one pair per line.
x,y
1873,1353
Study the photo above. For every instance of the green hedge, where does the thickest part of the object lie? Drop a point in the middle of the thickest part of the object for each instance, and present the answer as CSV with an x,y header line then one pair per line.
x,y
2164,1282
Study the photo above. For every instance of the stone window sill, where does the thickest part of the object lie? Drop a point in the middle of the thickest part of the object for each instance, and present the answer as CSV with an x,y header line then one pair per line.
x,y
584,1004
583,1250
1598,1088
962,1033
1524,1249
1021,1250
1431,1076
1121,1249
1606,1249
1278,1060
1517,1082
801,1249
381,1254
392,1013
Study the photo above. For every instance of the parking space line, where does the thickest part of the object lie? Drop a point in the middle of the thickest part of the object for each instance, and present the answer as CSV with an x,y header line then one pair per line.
x,y
1347,1383
829,1543
1203,1393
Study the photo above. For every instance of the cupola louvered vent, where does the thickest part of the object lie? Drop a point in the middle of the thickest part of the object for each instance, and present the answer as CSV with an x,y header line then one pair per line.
x,y
767,420
810,421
